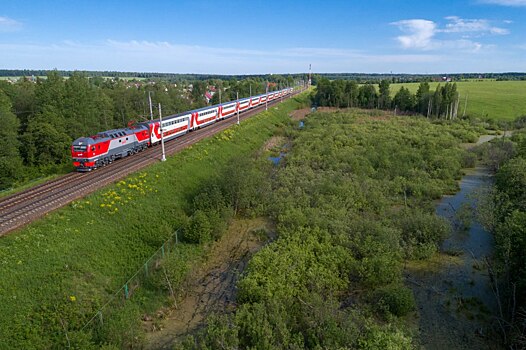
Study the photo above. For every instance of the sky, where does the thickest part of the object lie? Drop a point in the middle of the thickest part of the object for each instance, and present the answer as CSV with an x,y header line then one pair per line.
x,y
264,37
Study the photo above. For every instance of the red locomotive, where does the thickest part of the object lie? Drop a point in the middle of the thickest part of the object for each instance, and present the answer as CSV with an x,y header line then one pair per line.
x,y
92,152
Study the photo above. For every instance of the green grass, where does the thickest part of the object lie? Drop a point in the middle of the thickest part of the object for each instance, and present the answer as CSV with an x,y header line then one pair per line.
x,y
498,100
89,248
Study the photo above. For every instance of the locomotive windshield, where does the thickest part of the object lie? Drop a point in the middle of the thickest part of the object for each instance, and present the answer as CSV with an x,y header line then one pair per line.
x,y
77,148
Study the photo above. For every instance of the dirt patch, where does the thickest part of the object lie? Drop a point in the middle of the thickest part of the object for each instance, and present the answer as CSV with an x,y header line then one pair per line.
x,y
275,141
300,114
330,109
210,287
362,114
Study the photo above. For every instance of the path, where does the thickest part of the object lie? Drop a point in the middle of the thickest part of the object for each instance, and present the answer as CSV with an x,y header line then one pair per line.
x,y
212,286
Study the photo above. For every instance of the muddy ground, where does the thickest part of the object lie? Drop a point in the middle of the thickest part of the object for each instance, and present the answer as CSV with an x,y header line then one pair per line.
x,y
300,114
211,287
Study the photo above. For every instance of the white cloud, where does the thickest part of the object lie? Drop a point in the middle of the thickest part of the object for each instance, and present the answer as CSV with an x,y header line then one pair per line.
x,y
460,25
419,33
9,25
455,34
513,3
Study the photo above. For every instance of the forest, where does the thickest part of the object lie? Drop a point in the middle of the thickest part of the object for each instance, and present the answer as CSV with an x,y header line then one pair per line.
x,y
40,118
441,103
170,77
416,78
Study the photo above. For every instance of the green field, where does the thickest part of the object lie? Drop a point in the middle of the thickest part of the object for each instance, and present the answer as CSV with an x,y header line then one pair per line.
x,y
498,100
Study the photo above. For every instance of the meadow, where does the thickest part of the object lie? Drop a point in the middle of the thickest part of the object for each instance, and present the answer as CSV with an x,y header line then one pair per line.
x,y
56,272
497,100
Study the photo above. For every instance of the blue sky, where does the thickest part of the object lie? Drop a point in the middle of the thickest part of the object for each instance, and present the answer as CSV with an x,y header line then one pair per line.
x,y
259,37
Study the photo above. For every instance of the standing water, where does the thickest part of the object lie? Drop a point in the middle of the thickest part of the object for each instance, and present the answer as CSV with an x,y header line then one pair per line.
x,y
453,292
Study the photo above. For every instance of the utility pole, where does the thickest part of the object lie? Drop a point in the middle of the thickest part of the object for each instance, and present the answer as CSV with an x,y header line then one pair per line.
x,y
310,76
237,96
151,109
266,101
163,157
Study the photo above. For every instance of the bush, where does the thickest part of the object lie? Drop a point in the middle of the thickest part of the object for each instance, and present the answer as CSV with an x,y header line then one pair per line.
x,y
469,159
397,300
198,229
420,232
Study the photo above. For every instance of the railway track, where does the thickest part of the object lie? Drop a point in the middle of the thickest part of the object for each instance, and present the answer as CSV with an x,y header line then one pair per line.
x,y
24,207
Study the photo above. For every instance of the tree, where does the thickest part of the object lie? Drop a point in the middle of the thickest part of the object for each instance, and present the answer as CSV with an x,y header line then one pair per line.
x,y
43,143
384,99
404,100
437,102
80,108
10,160
423,97
323,92
351,93
449,100
367,96
511,179
50,93
24,101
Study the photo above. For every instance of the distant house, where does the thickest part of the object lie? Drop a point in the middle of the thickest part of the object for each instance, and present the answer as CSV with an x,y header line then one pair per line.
x,y
208,96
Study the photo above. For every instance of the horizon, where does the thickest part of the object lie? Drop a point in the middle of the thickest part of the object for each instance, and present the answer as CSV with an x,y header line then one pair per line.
x,y
17,70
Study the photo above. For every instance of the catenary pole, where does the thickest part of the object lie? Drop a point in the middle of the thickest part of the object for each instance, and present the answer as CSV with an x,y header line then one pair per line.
x,y
163,157
237,97
150,100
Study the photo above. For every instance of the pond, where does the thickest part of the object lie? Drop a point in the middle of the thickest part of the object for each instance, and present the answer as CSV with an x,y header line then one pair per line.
x,y
453,291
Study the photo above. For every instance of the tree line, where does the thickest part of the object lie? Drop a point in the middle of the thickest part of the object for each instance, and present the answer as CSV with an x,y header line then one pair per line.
x,y
441,103
15,73
42,116
417,78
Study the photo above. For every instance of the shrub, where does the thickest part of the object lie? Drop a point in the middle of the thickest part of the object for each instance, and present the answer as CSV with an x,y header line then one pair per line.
x,y
397,300
198,229
421,231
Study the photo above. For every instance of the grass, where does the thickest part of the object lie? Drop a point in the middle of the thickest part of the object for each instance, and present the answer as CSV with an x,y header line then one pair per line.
x,y
498,100
56,272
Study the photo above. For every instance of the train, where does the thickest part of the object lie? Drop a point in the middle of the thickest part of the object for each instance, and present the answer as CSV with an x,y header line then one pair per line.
x,y
90,153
